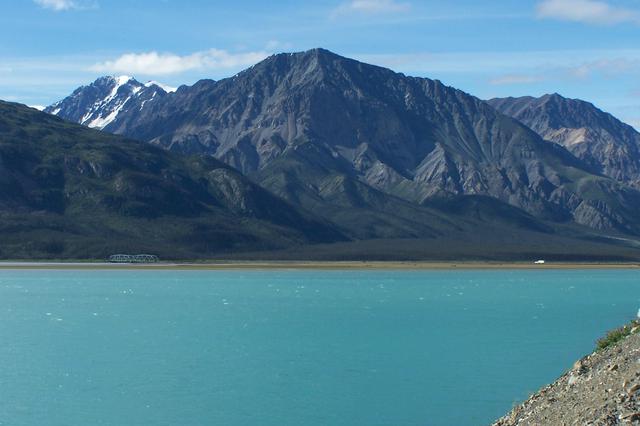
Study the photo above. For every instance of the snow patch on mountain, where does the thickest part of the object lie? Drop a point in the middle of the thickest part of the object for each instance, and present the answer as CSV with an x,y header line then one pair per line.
x,y
164,87
123,79
101,122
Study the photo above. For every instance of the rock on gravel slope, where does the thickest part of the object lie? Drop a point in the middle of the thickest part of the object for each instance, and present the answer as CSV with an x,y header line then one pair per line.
x,y
601,389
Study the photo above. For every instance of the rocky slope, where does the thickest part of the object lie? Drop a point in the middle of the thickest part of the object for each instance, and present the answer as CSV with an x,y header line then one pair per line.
x,y
601,389
610,146
69,191
367,147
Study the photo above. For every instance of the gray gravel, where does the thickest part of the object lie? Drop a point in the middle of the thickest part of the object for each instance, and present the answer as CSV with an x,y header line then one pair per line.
x,y
601,389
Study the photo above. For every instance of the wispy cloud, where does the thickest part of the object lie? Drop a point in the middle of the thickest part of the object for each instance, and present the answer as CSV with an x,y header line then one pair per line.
x,y
586,11
515,67
608,67
633,122
277,45
371,7
509,79
154,63
60,5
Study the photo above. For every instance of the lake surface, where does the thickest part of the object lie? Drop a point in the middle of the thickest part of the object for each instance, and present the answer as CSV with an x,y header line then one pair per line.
x,y
280,348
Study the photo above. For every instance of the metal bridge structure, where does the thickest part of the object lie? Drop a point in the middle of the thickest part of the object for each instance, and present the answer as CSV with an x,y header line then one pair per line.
x,y
133,258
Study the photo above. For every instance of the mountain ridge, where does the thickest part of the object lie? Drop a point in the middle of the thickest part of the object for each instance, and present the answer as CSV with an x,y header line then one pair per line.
x,y
607,144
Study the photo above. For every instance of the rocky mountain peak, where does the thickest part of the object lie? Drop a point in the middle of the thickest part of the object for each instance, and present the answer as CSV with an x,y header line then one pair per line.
x,y
553,97
313,67
99,104
316,54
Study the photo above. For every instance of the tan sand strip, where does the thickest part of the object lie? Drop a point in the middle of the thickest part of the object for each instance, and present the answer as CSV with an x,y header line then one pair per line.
x,y
314,265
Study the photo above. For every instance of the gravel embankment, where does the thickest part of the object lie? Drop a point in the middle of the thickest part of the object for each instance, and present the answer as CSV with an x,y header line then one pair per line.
x,y
601,389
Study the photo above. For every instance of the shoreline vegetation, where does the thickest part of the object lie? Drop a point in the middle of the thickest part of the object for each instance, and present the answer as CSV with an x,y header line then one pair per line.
x,y
328,265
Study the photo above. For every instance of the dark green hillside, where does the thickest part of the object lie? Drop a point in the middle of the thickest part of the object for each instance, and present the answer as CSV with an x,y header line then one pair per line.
x,y
68,191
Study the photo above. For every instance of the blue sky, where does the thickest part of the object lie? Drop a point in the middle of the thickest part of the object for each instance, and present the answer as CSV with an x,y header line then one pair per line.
x,y
585,49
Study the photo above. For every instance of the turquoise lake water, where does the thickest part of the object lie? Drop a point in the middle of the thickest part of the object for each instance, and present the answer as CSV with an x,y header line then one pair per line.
x,y
280,348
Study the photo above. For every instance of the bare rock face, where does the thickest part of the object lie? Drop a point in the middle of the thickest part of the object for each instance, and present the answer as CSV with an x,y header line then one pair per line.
x,y
605,143
295,122
601,389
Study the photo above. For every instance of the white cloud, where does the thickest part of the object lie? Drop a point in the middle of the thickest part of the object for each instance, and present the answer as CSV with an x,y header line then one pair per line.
x,y
370,7
60,5
38,107
154,63
586,11
509,79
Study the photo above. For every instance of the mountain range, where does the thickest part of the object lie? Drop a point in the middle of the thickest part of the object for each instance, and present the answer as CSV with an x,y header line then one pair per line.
x,y
326,132
358,157
68,191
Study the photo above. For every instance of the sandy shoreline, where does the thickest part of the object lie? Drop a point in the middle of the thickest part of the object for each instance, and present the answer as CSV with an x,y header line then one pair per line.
x,y
314,265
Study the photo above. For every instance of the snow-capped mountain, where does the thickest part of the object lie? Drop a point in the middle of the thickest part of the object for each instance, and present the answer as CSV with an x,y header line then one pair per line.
x,y
98,104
